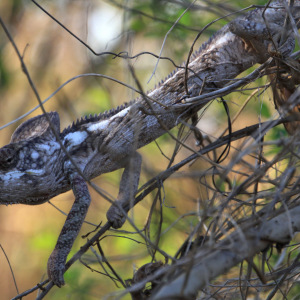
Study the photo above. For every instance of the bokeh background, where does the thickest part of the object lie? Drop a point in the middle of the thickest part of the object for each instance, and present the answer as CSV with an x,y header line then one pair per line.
x,y
53,56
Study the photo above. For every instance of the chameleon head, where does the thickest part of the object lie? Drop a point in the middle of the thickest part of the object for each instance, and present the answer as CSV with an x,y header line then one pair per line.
x,y
27,164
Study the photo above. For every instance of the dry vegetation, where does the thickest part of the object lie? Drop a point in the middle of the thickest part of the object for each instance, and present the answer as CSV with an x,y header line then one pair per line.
x,y
225,200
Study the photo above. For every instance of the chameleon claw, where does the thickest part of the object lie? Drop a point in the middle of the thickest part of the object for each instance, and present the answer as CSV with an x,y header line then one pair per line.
x,y
116,217
55,270
58,279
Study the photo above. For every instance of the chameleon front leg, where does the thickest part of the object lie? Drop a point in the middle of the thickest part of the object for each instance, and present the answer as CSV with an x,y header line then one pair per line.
x,y
128,188
70,230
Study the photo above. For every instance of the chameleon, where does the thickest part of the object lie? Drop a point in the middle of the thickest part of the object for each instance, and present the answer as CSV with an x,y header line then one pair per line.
x,y
41,161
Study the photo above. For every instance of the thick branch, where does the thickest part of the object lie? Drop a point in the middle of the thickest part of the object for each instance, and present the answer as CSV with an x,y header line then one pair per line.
x,y
208,263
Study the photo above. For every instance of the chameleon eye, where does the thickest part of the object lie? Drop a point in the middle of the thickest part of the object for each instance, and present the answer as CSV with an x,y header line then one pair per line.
x,y
7,157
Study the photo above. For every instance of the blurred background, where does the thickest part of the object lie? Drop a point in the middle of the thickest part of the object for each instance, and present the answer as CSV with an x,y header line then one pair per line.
x,y
53,56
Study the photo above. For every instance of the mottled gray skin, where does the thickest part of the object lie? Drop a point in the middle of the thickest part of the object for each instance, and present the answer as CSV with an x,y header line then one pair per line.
x,y
34,168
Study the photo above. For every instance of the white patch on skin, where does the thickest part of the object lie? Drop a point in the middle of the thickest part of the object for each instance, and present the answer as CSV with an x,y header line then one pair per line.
x,y
122,113
11,176
35,172
223,39
103,124
98,126
76,138
34,155
44,147
49,147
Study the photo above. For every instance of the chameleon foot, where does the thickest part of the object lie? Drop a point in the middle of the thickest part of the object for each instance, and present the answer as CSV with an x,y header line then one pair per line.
x,y
116,217
56,269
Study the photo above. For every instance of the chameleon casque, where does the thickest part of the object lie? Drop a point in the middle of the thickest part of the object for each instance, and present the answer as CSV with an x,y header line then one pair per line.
x,y
34,168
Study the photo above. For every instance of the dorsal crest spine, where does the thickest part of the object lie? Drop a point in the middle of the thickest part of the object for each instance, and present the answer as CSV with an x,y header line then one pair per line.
x,y
96,117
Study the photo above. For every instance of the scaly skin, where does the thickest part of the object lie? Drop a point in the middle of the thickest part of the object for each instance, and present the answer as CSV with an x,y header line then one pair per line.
x,y
34,168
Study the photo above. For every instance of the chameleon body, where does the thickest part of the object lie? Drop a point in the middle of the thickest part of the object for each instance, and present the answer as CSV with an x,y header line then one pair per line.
x,y
34,168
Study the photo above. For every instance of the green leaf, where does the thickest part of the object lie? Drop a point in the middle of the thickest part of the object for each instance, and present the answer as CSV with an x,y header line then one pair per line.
x,y
265,110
